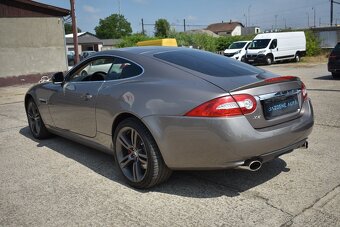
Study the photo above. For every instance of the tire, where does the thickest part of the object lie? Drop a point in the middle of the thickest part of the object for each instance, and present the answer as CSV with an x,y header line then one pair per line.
x,y
137,155
336,75
35,122
269,60
297,57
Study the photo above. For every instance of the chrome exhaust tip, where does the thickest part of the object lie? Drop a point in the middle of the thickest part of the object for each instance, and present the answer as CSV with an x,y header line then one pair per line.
x,y
255,165
251,165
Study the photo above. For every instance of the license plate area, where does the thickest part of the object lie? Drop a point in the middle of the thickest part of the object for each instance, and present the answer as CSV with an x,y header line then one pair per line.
x,y
278,106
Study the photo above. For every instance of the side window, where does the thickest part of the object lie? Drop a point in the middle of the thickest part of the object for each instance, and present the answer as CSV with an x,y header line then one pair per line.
x,y
122,69
273,45
95,70
247,45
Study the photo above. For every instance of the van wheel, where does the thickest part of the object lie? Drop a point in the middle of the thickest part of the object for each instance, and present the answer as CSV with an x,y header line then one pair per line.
x,y
269,60
297,58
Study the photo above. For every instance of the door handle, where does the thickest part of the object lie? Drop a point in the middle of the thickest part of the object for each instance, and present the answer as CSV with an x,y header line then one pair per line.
x,y
86,96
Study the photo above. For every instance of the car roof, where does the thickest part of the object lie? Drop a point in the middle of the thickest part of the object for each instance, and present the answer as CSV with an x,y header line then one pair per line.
x,y
148,50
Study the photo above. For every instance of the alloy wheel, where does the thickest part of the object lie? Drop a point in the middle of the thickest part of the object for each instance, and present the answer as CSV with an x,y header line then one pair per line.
x,y
34,118
131,154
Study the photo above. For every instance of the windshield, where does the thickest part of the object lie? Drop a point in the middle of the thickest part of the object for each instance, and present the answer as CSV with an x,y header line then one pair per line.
x,y
259,44
238,45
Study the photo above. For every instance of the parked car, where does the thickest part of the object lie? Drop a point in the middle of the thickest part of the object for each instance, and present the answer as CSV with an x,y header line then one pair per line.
x,y
237,50
158,109
273,47
334,61
87,53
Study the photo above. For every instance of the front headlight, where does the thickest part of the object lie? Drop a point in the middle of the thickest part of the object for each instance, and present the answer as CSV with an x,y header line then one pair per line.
x,y
237,52
261,52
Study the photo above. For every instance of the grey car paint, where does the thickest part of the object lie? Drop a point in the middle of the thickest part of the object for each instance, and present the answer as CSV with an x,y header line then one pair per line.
x,y
86,112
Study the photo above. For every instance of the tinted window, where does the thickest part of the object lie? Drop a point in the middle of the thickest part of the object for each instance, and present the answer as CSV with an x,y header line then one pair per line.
x,y
122,69
273,45
208,63
337,47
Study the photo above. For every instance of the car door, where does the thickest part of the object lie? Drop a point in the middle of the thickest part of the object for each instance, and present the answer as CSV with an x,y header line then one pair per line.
x,y
72,105
274,49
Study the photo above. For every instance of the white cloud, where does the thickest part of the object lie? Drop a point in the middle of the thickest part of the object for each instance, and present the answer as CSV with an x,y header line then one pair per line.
x,y
90,9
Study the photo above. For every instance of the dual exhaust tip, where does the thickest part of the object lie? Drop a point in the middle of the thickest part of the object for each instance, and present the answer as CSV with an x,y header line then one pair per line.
x,y
252,165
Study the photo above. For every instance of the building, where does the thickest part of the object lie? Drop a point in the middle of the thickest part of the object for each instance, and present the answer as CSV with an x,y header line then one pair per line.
x,y
231,28
253,30
86,42
109,44
328,36
32,41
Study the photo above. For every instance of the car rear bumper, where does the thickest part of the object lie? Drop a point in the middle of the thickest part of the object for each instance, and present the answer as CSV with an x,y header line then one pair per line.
x,y
333,67
217,143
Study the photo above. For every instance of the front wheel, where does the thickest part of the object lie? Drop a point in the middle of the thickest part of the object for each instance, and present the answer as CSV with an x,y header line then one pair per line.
x,y
35,121
137,155
269,60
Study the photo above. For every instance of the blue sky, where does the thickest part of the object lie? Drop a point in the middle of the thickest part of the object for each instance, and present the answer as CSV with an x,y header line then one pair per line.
x,y
293,13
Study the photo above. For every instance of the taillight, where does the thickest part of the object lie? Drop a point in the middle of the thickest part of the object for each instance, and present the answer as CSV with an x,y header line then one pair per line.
x,y
280,79
225,107
303,91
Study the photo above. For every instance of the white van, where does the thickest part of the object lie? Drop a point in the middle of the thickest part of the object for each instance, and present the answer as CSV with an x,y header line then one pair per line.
x,y
272,47
237,50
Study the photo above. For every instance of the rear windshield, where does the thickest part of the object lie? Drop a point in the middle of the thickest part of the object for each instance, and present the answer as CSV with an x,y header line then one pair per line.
x,y
208,63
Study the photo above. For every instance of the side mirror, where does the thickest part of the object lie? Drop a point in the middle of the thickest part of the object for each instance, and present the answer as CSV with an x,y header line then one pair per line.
x,y
58,78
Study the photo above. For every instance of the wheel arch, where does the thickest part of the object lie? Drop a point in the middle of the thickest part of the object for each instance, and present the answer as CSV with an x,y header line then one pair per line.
x,y
123,116
27,98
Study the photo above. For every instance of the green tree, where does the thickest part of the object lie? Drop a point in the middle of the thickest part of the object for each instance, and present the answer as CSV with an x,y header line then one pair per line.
x,y
162,28
113,27
68,28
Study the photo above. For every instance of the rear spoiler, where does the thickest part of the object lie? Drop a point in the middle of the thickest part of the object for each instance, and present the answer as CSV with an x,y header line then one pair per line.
x,y
263,82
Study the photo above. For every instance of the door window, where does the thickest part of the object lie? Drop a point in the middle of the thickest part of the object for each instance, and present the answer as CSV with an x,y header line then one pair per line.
x,y
95,70
273,45
122,69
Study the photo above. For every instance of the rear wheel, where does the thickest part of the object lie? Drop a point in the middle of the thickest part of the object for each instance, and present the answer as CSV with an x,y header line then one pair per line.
x,y
297,57
35,121
137,155
269,60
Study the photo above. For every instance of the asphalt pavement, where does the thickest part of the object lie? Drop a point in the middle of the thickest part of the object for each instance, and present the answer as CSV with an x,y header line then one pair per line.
x,y
57,182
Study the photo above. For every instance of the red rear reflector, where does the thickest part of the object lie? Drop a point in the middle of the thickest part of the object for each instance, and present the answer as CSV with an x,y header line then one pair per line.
x,y
225,106
280,79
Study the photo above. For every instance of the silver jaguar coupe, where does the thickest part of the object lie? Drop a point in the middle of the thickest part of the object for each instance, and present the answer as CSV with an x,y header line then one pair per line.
x,y
158,109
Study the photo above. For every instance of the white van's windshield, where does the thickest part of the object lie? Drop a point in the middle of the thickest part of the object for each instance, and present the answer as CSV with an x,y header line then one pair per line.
x,y
238,45
259,44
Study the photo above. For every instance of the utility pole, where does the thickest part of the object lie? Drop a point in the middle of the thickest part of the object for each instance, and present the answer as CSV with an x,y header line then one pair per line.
x,y
119,7
313,8
75,32
307,19
332,2
249,15
184,26
275,21
246,20
143,32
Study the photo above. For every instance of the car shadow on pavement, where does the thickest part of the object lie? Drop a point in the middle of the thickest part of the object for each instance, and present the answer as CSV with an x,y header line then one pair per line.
x,y
196,184
326,77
